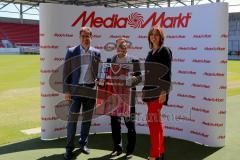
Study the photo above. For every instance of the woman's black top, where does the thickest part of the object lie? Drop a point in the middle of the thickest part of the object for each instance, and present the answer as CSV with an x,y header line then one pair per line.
x,y
157,74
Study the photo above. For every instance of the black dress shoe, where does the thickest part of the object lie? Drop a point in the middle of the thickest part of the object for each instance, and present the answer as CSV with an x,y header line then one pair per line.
x,y
68,155
116,153
161,157
85,150
128,156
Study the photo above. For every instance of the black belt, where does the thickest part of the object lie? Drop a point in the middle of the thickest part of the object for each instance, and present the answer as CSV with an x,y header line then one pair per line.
x,y
91,85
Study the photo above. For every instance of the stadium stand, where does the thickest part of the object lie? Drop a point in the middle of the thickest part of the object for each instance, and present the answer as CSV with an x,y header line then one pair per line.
x,y
234,36
20,33
14,34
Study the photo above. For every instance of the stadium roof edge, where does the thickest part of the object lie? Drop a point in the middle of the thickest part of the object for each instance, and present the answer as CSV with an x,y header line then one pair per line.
x,y
28,9
17,20
111,3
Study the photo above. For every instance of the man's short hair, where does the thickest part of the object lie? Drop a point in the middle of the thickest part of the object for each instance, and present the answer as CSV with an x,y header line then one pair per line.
x,y
86,29
121,41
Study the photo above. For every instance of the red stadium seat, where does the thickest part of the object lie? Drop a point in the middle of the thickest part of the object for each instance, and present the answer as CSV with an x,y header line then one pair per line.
x,y
19,33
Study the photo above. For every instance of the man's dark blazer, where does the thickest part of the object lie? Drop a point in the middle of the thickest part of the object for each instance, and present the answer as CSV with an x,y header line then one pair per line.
x,y
72,67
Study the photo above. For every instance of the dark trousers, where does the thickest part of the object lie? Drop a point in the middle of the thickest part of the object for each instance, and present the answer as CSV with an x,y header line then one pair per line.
x,y
85,117
116,131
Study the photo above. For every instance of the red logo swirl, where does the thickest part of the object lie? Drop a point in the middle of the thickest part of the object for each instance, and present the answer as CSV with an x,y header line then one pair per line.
x,y
135,20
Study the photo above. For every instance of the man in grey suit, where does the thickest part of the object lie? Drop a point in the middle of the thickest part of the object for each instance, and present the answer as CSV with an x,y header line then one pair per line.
x,y
80,71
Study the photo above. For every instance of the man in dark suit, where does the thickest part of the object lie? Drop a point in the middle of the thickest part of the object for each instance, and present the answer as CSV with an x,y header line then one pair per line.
x,y
80,71
123,59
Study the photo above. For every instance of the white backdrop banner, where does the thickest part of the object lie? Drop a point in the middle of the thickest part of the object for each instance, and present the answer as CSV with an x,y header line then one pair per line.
x,y
197,36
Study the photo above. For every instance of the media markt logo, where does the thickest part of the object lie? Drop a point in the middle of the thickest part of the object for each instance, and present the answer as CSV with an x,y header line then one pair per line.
x,y
134,20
